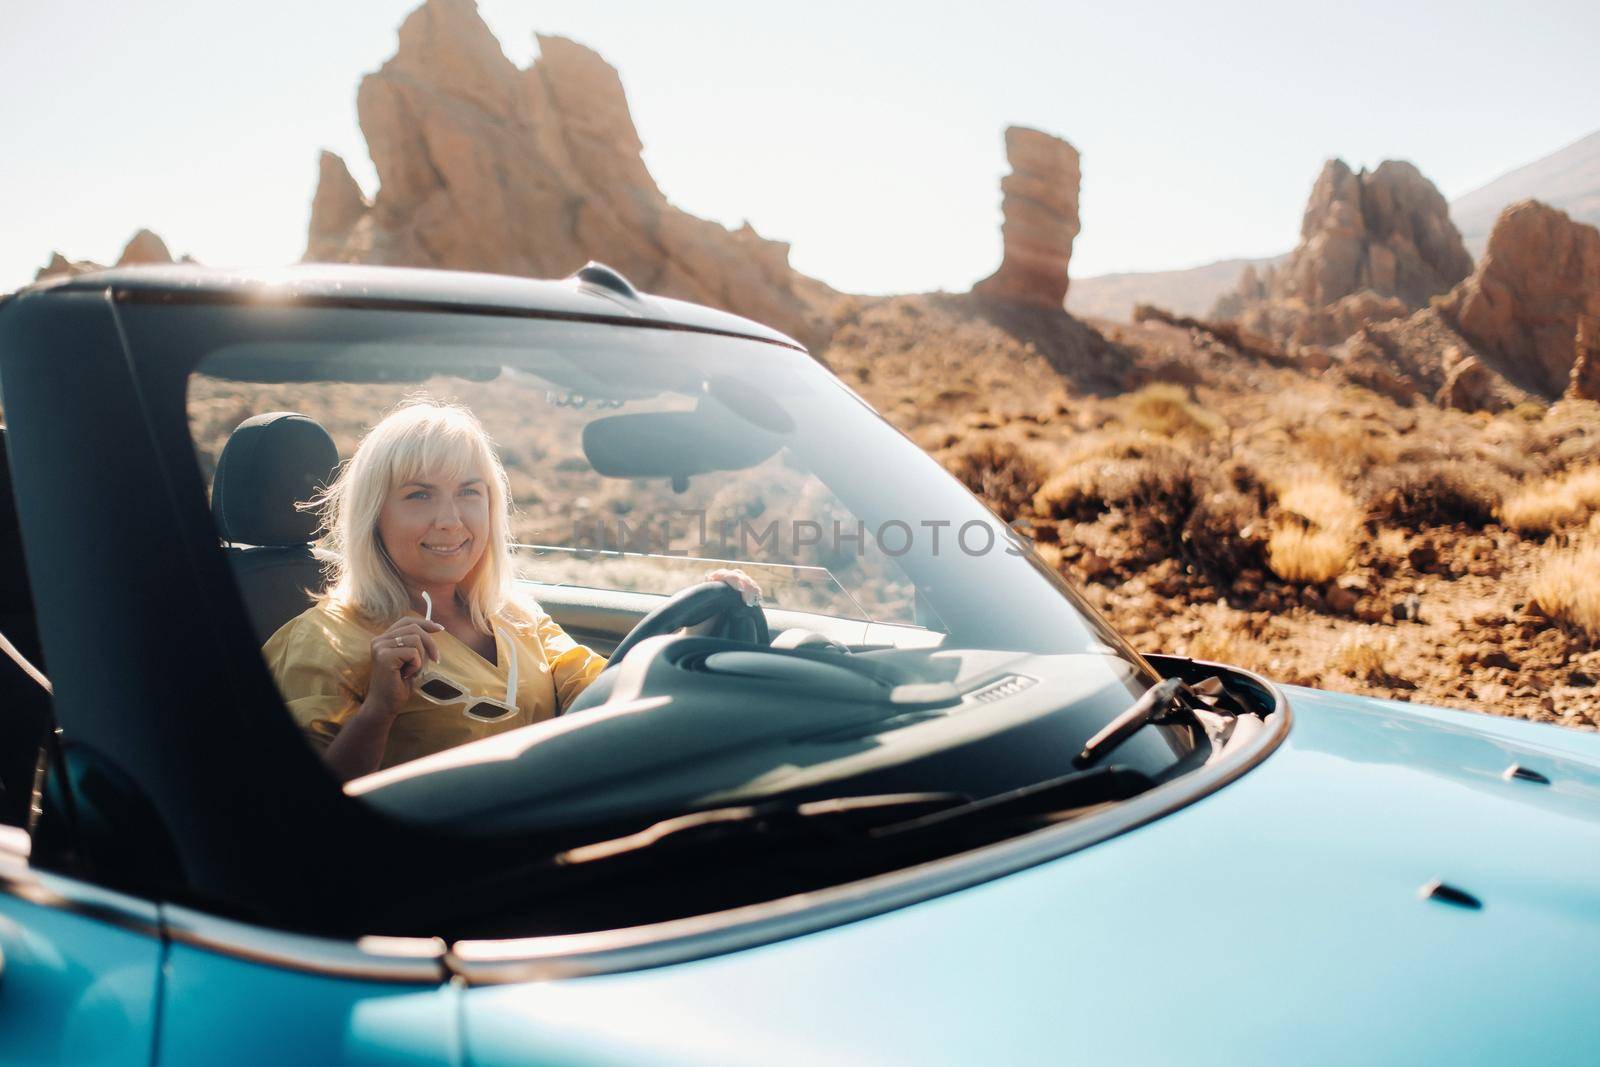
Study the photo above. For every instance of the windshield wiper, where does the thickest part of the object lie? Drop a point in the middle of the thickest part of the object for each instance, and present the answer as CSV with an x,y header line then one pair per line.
x,y
771,816
863,818
1159,704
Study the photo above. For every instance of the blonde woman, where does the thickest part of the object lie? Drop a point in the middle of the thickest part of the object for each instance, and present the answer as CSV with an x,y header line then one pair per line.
x,y
418,644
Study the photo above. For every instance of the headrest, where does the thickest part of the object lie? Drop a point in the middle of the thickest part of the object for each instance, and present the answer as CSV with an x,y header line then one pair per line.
x,y
271,463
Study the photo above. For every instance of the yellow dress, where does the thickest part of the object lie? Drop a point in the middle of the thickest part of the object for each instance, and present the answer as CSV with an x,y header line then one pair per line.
x,y
322,662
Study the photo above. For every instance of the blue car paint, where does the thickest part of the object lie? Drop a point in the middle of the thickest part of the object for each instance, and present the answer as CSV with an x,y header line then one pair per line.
x,y
222,1010
1277,920
74,990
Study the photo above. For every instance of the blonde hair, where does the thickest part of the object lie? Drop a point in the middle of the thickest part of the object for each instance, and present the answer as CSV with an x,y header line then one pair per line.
x,y
421,435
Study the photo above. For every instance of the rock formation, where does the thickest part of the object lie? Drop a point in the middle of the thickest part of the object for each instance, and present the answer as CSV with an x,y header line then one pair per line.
x,y
142,247
1584,383
1520,308
1525,323
484,166
336,210
1040,208
1372,247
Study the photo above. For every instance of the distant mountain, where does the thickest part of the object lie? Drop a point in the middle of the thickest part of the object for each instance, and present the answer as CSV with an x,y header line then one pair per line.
x,y
1185,292
1568,179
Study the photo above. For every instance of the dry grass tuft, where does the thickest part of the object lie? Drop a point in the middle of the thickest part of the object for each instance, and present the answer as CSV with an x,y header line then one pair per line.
x,y
1166,409
1567,587
1296,554
1347,445
1549,504
1226,533
1436,493
1319,501
1314,534
1365,655
1005,476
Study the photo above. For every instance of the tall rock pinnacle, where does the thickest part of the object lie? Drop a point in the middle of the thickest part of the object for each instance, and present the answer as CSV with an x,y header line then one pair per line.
x,y
1040,208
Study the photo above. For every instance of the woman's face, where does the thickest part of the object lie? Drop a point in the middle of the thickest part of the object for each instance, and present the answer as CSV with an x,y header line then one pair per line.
x,y
435,529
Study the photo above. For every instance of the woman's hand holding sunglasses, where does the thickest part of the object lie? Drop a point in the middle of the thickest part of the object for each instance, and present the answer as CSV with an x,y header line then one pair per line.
x,y
399,655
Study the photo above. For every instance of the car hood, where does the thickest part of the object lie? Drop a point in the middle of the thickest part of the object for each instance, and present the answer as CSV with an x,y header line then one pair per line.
x,y
1282,918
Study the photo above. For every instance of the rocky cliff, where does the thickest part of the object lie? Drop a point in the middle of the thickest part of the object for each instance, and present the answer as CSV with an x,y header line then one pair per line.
x,y
485,166
1540,272
1372,246
1523,323
1040,208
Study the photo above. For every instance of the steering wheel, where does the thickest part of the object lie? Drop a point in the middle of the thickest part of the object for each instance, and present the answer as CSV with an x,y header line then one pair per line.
x,y
697,604
688,607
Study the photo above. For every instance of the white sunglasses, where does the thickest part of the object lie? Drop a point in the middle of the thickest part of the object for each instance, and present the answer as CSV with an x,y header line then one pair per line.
x,y
442,689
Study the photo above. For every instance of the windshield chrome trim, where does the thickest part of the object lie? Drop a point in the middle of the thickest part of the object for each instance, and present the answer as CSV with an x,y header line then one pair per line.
x,y
407,960
61,893
496,962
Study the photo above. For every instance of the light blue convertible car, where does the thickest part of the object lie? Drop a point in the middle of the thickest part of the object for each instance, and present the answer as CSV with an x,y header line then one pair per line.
x,y
922,805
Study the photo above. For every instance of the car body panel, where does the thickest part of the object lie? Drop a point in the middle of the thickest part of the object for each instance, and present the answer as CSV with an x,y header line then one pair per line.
x,y
73,988
1276,920
218,1009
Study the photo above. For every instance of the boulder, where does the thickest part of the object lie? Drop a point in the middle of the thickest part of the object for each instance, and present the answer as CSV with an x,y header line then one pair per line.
x,y
1520,308
1040,209
485,166
1469,385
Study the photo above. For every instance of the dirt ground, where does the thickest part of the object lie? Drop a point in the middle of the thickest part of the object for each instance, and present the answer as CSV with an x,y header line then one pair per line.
x,y
1272,516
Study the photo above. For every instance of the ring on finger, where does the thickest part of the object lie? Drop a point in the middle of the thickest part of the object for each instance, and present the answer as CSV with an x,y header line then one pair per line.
x,y
399,642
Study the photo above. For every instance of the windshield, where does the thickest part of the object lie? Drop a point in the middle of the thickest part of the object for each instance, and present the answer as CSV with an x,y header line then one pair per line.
x,y
905,641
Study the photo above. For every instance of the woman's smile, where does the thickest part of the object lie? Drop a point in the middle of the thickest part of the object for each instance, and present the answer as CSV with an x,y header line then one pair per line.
x,y
447,549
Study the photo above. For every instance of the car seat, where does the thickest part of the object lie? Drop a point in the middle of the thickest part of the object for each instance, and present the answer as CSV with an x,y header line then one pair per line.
x,y
270,464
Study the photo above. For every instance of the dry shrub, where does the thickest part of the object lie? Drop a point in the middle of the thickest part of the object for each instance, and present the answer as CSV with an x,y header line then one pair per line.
x,y
1074,494
1167,409
1566,587
1168,505
1226,533
1317,500
1436,494
1005,476
1159,482
1296,554
1365,655
1314,532
1551,503
1345,444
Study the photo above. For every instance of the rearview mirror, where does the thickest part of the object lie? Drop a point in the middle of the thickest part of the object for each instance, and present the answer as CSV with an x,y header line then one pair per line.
x,y
715,436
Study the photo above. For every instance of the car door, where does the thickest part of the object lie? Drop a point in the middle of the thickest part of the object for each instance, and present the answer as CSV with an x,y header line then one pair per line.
x,y
79,967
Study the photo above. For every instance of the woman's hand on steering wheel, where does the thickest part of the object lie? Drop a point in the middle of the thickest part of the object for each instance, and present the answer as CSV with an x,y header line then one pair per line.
x,y
748,589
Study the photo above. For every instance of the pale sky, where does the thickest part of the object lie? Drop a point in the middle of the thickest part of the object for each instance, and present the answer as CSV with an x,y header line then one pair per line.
x,y
868,135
